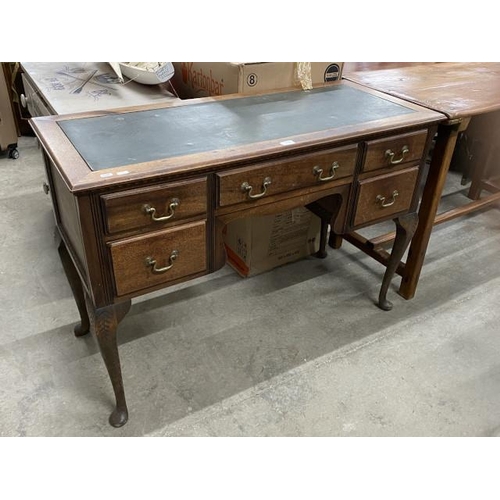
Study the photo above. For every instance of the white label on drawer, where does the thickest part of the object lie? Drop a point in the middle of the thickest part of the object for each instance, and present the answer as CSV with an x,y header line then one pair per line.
x,y
123,172
287,143
106,175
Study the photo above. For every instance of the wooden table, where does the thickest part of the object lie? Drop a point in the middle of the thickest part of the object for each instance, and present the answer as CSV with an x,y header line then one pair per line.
x,y
142,196
459,91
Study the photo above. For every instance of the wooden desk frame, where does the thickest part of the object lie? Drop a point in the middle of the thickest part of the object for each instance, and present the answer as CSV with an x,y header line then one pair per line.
x,y
92,254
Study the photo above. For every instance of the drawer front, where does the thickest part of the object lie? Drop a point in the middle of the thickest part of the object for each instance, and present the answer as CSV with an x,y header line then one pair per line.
x,y
146,261
394,151
383,196
33,102
250,184
154,206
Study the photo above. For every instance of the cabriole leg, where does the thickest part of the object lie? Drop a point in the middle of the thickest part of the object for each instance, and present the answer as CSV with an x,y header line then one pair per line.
x,y
76,287
104,322
405,229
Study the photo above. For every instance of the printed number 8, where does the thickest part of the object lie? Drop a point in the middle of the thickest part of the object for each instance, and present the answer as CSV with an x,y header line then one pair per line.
x,y
252,79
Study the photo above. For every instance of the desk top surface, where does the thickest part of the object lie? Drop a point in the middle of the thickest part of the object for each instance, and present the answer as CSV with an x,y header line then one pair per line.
x,y
457,90
98,149
111,141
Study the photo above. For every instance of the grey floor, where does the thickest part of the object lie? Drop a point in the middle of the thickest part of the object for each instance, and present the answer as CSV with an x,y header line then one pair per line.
x,y
299,351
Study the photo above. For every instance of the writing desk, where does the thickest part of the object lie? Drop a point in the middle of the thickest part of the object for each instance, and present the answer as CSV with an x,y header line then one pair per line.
x,y
142,195
459,91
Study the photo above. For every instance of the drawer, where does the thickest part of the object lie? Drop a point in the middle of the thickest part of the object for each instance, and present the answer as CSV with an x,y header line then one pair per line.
x,y
396,150
250,184
383,196
145,261
154,206
32,101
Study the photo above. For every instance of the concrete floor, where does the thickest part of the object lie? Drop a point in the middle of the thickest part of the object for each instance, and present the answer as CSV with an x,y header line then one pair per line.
x,y
299,351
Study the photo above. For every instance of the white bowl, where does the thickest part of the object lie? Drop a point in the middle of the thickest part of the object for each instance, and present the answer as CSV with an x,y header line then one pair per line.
x,y
162,73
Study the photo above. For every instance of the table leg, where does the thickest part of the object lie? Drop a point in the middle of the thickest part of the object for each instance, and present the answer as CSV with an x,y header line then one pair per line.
x,y
335,240
440,163
104,322
405,228
76,287
482,161
482,136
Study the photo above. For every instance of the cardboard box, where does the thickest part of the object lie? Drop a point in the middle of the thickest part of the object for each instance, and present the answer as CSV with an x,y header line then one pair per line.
x,y
202,79
260,243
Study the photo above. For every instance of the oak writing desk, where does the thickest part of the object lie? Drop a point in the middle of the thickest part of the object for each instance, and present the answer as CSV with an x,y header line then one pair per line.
x,y
459,91
141,196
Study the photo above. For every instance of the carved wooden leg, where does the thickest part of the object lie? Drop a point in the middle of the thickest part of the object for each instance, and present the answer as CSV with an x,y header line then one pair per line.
x,y
405,228
104,322
76,287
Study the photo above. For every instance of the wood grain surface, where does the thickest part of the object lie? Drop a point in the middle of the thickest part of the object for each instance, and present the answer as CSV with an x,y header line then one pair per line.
x,y
456,89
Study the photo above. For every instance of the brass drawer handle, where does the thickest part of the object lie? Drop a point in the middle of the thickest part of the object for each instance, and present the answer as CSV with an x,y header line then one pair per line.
x,y
317,171
390,155
148,209
246,188
381,200
158,270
